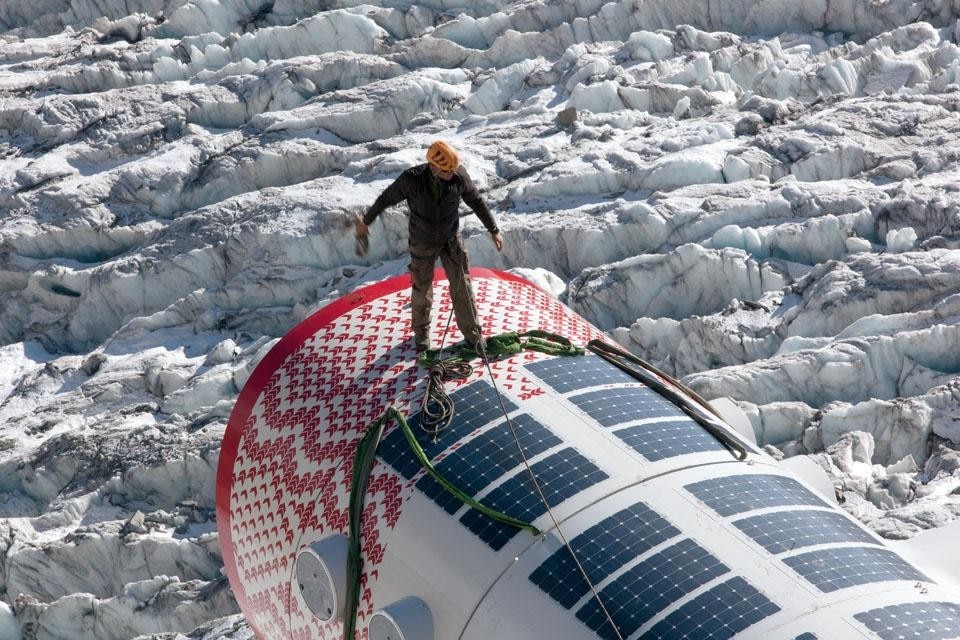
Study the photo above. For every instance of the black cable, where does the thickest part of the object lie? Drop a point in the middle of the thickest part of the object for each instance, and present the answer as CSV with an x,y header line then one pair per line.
x,y
672,389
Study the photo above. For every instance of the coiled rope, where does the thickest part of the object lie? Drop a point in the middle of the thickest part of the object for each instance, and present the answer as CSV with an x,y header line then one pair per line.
x,y
436,406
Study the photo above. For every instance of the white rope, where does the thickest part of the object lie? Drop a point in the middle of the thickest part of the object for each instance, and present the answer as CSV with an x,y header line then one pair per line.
x,y
481,348
543,498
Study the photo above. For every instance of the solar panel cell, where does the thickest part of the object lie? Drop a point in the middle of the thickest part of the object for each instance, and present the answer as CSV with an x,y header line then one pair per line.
x,y
661,440
601,550
561,476
486,458
475,405
621,405
717,614
833,569
570,374
650,587
914,621
730,495
786,530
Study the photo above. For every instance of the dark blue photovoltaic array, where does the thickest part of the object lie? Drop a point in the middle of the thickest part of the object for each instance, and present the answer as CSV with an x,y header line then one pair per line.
x,y
649,587
475,404
833,569
717,614
570,374
561,476
786,530
660,440
730,495
621,405
484,459
914,621
602,549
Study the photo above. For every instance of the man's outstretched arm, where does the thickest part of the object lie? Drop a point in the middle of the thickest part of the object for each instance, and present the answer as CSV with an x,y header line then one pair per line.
x,y
390,196
475,201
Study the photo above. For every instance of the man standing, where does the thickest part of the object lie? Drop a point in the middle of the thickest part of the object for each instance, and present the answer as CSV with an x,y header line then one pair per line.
x,y
433,192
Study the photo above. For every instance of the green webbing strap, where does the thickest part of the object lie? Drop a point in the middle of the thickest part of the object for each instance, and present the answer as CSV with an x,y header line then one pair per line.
x,y
508,343
362,464
449,486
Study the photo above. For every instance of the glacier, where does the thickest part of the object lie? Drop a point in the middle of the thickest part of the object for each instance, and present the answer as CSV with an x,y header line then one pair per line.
x,y
758,197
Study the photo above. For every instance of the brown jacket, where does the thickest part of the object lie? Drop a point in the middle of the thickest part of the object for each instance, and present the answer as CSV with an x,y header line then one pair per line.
x,y
433,220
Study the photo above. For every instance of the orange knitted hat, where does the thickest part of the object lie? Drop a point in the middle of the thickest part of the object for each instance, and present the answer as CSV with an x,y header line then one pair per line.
x,y
443,156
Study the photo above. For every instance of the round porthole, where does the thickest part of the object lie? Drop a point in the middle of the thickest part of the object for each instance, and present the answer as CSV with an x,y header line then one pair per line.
x,y
320,574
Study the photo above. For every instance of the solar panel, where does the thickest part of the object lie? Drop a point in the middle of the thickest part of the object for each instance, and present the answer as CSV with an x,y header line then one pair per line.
x,y
620,405
786,530
475,405
649,587
657,441
717,614
914,621
730,495
561,476
570,374
601,550
833,569
482,460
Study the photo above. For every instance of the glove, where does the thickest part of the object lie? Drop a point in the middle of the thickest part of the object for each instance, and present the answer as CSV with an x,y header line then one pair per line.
x,y
361,244
361,235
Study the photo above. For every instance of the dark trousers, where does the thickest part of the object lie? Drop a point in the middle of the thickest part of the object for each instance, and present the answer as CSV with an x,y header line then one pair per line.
x,y
453,257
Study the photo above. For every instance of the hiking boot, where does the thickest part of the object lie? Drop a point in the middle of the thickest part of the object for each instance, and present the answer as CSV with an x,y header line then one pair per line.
x,y
473,338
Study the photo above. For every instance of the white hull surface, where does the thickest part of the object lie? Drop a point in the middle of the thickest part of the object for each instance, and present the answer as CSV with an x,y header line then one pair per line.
x,y
677,535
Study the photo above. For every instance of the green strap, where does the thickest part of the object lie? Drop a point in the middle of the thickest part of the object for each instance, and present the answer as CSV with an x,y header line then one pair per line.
x,y
362,465
509,343
449,486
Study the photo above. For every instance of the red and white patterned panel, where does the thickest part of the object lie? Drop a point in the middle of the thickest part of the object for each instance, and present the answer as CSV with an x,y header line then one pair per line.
x,y
285,466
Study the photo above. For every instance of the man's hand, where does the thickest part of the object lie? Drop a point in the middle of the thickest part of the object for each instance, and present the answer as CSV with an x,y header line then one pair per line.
x,y
361,233
498,240
360,227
